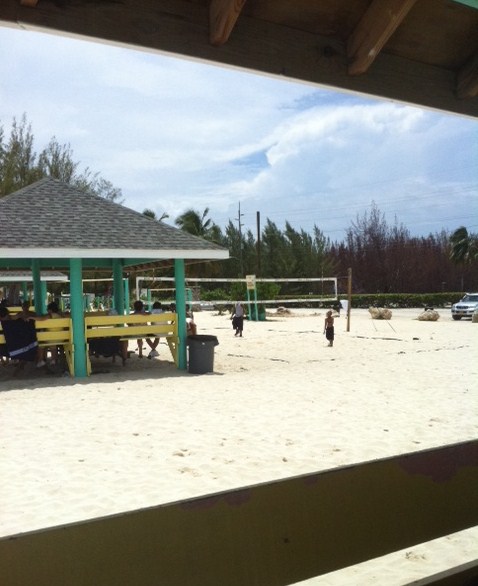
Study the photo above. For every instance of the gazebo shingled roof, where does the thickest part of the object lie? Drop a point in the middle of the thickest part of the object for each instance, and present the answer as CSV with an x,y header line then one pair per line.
x,y
51,224
51,219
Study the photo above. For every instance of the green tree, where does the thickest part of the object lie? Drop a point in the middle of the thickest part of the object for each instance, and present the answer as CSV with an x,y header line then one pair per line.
x,y
198,224
463,249
20,165
275,252
464,246
150,214
17,158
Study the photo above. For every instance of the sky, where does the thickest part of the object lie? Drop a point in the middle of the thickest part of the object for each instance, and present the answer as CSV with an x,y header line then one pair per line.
x,y
174,134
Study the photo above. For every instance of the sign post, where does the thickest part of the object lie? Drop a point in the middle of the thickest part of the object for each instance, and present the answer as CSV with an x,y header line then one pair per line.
x,y
251,286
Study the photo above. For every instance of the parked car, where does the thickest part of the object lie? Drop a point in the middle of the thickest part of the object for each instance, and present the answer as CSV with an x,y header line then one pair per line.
x,y
465,307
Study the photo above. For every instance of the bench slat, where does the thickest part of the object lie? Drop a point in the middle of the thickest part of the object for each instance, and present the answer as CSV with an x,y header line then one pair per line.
x,y
133,326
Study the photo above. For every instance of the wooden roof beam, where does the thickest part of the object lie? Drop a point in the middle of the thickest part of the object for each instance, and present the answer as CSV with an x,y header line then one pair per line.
x,y
30,3
377,25
223,15
467,79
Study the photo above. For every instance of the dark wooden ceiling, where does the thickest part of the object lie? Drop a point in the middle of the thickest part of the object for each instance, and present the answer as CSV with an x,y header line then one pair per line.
x,y
423,52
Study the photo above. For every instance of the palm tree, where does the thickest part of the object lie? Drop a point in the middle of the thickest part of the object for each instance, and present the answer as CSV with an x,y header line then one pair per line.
x,y
198,224
193,222
464,248
150,214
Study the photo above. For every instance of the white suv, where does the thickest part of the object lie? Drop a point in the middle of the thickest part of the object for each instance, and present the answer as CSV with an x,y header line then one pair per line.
x,y
465,307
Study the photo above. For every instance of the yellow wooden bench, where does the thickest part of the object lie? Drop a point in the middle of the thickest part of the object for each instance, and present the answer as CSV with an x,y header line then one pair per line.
x,y
133,327
55,331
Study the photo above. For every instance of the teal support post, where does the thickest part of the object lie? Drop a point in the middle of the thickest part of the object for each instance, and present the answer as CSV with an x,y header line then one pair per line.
x,y
44,294
255,304
77,318
149,302
126,295
189,297
179,282
24,291
37,288
118,290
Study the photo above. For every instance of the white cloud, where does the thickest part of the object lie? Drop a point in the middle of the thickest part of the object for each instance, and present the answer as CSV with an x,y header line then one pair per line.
x,y
174,134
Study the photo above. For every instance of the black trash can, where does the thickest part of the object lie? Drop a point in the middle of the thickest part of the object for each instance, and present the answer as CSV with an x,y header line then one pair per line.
x,y
201,353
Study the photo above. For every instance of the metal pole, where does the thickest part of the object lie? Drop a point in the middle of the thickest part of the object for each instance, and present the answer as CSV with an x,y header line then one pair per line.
x,y
349,296
240,240
258,222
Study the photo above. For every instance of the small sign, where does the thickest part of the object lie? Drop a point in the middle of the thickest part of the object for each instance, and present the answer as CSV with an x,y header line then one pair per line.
x,y
251,282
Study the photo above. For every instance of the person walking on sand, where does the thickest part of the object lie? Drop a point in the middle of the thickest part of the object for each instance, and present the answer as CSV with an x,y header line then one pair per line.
x,y
238,319
329,327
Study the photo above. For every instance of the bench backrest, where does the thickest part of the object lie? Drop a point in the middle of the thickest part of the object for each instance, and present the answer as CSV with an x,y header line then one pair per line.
x,y
131,326
50,332
56,330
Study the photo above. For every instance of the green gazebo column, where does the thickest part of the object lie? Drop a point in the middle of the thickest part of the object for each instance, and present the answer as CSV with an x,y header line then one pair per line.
x,y
77,317
118,287
179,281
24,291
44,294
37,287
126,295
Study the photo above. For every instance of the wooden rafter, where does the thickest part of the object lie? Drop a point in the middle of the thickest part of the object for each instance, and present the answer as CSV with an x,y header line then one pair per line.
x,y
467,79
424,75
223,15
30,3
377,25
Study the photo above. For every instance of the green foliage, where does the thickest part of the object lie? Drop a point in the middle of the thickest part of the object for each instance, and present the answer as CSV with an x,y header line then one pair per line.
x,y
214,295
464,246
405,300
20,165
198,224
268,290
238,292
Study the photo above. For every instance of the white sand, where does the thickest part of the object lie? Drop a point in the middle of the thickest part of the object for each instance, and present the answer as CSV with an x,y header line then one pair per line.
x,y
279,403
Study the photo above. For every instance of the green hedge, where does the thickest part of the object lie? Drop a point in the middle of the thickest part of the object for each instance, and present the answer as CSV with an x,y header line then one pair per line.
x,y
363,300
405,299
391,300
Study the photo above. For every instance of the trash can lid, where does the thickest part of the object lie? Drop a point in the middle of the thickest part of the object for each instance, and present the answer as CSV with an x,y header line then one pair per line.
x,y
202,338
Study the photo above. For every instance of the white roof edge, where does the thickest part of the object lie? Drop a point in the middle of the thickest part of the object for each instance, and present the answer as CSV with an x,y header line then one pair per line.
x,y
15,276
166,254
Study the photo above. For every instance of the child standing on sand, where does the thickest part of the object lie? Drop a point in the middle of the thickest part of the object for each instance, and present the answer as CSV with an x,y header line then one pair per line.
x,y
329,328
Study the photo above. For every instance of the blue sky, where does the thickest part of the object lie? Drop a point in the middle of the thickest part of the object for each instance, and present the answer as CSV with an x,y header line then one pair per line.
x,y
175,134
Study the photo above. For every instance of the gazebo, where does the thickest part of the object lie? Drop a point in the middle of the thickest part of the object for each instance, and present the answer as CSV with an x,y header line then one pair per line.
x,y
51,225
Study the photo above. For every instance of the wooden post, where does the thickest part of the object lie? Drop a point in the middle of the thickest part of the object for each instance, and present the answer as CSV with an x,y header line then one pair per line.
x,y
349,296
